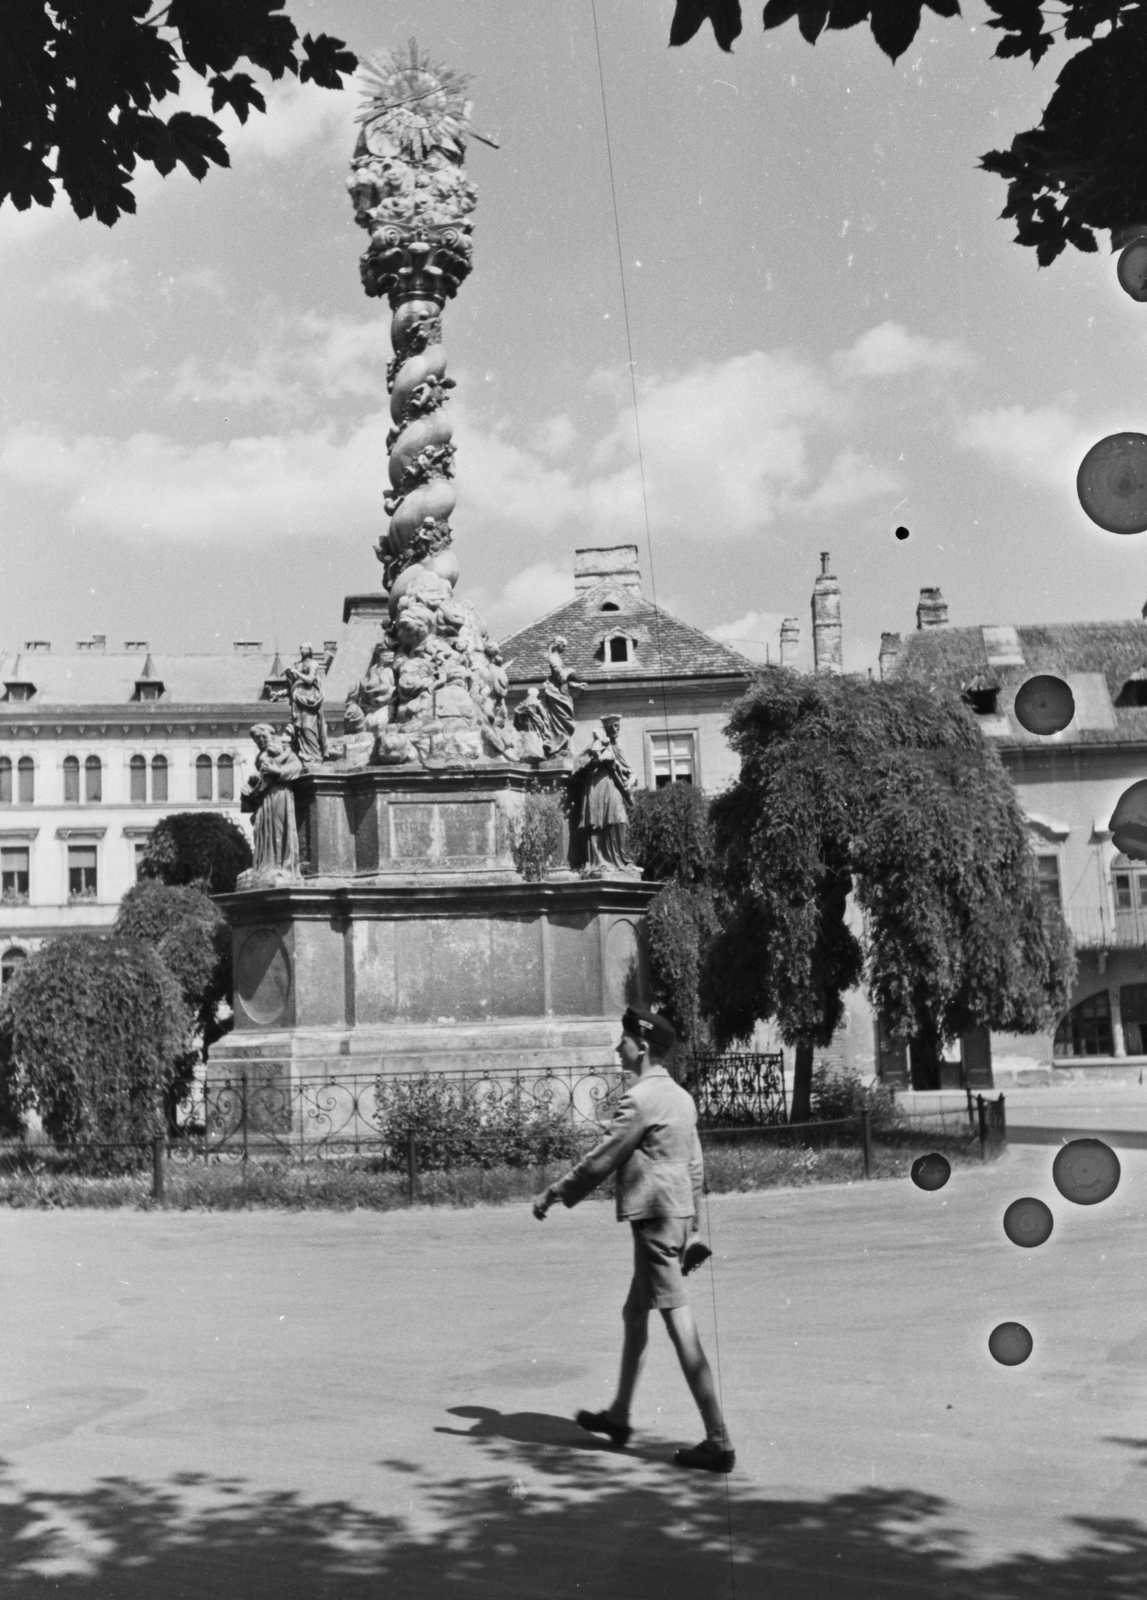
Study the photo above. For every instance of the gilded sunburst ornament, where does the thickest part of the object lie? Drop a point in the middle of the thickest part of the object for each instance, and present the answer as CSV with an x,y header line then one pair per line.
x,y
414,106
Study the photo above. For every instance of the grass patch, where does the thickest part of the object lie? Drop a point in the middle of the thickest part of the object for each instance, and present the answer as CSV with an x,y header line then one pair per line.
x,y
737,1164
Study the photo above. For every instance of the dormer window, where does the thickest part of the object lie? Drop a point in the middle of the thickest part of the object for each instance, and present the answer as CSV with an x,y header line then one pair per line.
x,y
150,691
610,605
982,694
1134,691
618,648
20,691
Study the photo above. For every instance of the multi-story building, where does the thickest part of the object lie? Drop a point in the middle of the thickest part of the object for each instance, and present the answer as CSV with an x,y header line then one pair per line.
x,y
96,746
1069,785
671,685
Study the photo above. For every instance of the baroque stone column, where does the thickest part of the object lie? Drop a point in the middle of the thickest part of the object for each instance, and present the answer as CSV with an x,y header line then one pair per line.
x,y
410,191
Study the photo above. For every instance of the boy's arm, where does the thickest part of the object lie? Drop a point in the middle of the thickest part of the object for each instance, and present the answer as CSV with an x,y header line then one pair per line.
x,y
621,1140
697,1177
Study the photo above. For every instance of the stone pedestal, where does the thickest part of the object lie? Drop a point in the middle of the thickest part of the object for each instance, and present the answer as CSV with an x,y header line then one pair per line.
x,y
411,943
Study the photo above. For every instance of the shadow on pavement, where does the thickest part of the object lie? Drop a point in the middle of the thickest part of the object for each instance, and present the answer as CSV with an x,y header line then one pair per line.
x,y
590,1527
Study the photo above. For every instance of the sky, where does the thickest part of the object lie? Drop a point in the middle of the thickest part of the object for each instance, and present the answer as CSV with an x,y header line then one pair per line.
x,y
832,334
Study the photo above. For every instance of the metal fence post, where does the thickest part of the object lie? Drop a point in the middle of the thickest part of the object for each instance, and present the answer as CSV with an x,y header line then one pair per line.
x,y
243,1114
1003,1120
157,1167
982,1116
866,1139
411,1166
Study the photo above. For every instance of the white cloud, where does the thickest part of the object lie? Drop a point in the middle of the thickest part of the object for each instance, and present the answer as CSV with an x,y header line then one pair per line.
x,y
849,480
297,115
298,362
529,595
889,350
97,284
729,447
756,635
1042,446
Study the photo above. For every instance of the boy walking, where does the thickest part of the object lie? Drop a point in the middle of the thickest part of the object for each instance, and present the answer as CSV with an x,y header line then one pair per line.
x,y
653,1147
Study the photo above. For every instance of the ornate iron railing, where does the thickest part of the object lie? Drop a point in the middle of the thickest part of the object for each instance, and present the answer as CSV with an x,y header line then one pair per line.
x,y
348,1115
738,1090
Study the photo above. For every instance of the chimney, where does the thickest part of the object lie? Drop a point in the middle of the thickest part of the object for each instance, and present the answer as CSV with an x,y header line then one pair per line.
x,y
826,631
247,647
790,641
889,655
932,612
618,561
97,644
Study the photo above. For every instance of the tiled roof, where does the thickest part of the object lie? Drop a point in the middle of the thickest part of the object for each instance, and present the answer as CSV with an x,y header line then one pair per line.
x,y
94,678
1096,659
662,646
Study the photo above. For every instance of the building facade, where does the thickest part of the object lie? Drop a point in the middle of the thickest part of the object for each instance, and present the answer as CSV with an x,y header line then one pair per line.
x,y
95,747
671,685
1070,785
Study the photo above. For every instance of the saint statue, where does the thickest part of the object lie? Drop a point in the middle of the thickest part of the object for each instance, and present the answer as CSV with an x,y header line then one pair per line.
x,y
305,692
605,786
375,694
557,698
267,795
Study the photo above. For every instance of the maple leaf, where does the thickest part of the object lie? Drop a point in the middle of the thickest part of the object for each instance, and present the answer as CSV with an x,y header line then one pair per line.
x,y
725,16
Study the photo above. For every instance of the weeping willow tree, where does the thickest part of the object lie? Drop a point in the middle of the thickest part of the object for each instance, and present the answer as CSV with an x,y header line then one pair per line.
x,y
873,837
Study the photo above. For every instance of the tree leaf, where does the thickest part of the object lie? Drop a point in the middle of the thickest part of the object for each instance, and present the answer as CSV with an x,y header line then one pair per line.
x,y
725,16
327,62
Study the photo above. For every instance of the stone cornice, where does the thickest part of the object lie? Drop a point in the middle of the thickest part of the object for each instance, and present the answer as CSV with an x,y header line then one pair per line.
x,y
112,722
414,897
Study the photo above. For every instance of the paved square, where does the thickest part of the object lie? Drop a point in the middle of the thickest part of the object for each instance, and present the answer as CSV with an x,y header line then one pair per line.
x,y
320,1404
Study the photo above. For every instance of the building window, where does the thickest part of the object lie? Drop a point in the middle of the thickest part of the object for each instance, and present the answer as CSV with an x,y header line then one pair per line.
x,y
93,780
617,648
140,852
26,775
14,874
674,759
5,781
137,776
1130,890
1086,1030
81,872
1133,1009
203,778
1047,869
10,965
226,771
159,777
71,780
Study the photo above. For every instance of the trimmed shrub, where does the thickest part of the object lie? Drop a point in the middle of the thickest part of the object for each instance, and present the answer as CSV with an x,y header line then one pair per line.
x,y
470,1125
200,847
536,834
192,939
842,1094
669,834
90,1035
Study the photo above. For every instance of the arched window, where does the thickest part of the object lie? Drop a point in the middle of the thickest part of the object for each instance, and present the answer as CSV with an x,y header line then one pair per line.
x,y
10,964
27,777
71,780
93,779
138,774
203,778
1086,1030
5,781
159,777
226,770
618,648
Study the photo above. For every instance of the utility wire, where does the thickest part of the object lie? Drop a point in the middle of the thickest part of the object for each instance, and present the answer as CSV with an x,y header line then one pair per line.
x,y
632,371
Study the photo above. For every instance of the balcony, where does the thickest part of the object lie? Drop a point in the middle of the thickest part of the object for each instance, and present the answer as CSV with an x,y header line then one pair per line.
x,y
1095,928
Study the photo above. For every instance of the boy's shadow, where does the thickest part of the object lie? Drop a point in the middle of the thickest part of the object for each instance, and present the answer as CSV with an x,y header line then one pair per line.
x,y
534,1427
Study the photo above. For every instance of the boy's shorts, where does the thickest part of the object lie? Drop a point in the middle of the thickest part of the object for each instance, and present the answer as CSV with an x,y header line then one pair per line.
x,y
657,1245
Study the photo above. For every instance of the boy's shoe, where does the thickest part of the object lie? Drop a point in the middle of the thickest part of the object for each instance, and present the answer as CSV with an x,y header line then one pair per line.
x,y
709,1455
602,1422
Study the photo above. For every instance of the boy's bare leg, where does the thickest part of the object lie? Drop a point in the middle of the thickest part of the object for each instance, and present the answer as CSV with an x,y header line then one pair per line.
x,y
698,1375
632,1351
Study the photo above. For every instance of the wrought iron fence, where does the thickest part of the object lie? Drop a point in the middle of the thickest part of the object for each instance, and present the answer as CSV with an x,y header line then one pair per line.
x,y
452,1113
738,1090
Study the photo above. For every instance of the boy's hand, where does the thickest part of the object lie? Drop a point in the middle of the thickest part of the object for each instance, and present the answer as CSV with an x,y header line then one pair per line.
x,y
542,1203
